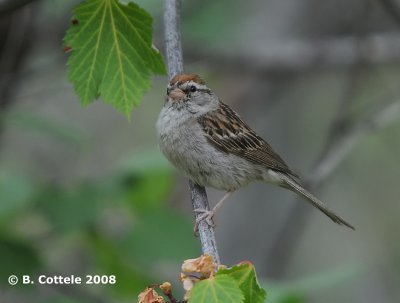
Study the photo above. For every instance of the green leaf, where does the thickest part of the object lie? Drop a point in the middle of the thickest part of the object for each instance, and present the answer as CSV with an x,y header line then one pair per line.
x,y
112,54
218,289
245,274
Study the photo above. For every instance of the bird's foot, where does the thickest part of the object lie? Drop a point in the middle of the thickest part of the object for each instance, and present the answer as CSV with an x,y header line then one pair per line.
x,y
206,216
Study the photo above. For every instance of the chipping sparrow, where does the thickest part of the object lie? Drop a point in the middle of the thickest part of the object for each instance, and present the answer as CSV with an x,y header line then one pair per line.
x,y
210,143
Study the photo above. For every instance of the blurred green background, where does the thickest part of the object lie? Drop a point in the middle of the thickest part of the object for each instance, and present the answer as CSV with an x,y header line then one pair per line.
x,y
84,191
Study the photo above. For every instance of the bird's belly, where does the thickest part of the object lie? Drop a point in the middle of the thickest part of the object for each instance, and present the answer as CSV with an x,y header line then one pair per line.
x,y
183,143
208,166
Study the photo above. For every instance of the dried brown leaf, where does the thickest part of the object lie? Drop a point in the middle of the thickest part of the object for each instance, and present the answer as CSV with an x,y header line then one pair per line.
x,y
204,265
149,295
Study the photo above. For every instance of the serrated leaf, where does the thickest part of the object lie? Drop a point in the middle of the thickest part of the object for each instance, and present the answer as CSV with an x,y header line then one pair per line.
x,y
245,275
111,53
218,289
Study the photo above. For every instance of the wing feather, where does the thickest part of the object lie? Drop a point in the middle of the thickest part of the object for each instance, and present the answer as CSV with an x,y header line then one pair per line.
x,y
227,132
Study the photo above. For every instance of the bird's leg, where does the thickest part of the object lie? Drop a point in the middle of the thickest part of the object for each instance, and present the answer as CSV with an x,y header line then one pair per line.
x,y
208,215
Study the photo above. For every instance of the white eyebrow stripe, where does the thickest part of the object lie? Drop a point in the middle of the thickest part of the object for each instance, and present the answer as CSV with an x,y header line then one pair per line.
x,y
190,83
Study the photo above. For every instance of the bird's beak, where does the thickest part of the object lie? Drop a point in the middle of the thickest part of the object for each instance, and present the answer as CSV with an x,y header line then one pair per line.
x,y
176,94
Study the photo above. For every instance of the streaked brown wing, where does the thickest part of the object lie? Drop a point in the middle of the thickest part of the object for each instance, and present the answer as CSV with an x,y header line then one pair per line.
x,y
227,132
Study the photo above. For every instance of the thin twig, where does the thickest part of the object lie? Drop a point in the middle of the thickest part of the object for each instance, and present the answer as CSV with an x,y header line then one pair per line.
x,y
325,166
288,236
173,45
175,66
382,118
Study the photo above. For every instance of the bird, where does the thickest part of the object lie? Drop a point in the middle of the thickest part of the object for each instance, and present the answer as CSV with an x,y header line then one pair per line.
x,y
209,143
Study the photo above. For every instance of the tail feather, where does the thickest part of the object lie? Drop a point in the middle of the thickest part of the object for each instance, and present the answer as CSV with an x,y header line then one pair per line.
x,y
291,184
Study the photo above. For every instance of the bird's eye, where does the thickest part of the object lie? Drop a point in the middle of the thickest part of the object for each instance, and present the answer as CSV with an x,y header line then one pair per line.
x,y
193,88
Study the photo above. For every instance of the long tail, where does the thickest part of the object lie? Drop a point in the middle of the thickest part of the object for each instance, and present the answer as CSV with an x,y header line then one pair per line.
x,y
291,184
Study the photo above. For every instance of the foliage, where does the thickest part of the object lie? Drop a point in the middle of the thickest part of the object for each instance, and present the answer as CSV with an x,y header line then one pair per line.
x,y
111,53
119,224
245,274
101,219
208,282
221,288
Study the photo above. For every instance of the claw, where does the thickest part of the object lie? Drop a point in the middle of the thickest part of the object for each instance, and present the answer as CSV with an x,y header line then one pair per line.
x,y
207,216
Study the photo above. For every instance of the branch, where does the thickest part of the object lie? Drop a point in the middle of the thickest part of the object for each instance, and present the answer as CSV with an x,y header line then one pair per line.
x,y
333,154
349,139
300,55
175,66
173,45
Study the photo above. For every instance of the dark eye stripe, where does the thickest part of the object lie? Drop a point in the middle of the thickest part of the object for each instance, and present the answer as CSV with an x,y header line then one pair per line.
x,y
187,90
